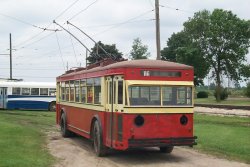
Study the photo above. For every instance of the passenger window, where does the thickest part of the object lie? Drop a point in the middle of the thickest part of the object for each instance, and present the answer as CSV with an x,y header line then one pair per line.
x,y
52,91
44,91
34,91
16,91
89,94
97,91
120,92
77,91
83,90
25,91
72,91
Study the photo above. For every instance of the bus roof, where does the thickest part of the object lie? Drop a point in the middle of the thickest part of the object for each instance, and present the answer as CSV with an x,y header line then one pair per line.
x,y
142,63
145,63
28,84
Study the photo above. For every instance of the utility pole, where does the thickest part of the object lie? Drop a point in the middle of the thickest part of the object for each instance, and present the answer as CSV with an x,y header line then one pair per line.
x,y
157,21
10,54
10,58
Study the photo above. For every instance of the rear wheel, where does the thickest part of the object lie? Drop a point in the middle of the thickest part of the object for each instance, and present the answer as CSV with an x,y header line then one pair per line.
x,y
99,148
167,149
64,131
52,106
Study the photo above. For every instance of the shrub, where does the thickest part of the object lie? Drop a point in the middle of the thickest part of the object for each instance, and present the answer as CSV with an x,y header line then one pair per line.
x,y
247,93
223,93
202,94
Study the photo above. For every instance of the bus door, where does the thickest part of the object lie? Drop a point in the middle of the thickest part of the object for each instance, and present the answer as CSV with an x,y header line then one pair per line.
x,y
3,98
114,108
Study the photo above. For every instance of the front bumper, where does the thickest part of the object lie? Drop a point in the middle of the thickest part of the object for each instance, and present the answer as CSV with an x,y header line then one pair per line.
x,y
162,142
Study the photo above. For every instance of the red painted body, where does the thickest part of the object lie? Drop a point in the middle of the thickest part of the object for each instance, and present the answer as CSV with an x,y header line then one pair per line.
x,y
123,133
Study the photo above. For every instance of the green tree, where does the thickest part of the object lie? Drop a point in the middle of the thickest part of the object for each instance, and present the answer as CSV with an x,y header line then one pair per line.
x,y
139,51
223,40
98,54
181,49
247,91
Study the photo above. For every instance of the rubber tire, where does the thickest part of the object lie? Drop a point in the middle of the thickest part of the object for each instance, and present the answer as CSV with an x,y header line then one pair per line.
x,y
64,131
167,149
52,106
99,148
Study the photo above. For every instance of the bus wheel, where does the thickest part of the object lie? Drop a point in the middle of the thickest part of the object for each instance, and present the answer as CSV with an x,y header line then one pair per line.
x,y
52,106
64,131
167,149
99,148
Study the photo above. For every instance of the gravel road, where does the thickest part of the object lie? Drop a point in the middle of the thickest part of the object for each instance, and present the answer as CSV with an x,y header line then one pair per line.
x,y
77,152
220,111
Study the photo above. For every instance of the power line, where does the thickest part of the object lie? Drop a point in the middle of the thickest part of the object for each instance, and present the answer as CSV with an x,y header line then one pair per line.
x,y
108,25
176,9
83,10
151,3
36,41
73,46
38,69
38,34
60,51
27,23
66,10
119,24
28,76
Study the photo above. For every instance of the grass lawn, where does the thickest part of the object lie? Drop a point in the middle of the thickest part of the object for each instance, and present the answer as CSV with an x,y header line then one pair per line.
x,y
229,101
227,137
23,138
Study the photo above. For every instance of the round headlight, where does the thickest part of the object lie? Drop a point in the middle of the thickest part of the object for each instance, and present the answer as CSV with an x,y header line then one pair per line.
x,y
184,120
139,120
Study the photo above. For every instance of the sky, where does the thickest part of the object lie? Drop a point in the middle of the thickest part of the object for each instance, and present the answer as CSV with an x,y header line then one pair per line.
x,y
42,55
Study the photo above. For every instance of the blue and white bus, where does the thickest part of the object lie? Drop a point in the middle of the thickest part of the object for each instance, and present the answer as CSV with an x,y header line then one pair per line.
x,y
28,95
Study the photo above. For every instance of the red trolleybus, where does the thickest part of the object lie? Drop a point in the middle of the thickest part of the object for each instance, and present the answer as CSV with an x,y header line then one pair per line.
x,y
128,104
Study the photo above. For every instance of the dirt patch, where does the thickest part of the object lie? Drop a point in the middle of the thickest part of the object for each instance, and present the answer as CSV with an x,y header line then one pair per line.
x,y
78,152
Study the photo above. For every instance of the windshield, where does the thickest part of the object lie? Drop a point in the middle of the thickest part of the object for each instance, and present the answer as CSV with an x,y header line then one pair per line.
x,y
160,95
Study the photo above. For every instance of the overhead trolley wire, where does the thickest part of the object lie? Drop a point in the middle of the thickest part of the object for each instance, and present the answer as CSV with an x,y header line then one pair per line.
x,y
60,51
108,54
38,34
24,46
151,3
119,24
27,23
73,46
83,10
70,6
176,9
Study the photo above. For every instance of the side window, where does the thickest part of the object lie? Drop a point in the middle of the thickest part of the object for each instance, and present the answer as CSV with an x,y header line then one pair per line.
x,y
44,91
97,91
90,83
110,92
120,92
67,91
52,91
16,91
63,91
77,91
35,91
83,90
25,91
72,91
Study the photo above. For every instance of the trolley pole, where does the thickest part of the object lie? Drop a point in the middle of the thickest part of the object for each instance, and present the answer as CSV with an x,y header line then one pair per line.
x,y
158,40
10,58
86,58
